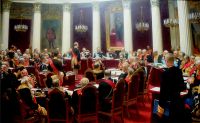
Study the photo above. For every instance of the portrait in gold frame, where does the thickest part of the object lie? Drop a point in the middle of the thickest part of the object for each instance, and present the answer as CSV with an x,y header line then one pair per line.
x,y
114,27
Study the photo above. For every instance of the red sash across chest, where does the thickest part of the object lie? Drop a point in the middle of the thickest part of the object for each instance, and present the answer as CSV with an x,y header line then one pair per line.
x,y
109,82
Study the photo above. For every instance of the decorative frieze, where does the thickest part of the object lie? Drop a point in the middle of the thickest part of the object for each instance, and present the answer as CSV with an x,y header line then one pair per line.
x,y
96,6
67,7
37,7
6,5
126,4
155,3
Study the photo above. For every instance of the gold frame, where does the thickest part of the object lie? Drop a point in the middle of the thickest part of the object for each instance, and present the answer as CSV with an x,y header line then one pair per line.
x,y
111,9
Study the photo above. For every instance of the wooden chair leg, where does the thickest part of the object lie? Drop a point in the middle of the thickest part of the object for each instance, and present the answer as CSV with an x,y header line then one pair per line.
x,y
97,119
137,111
122,117
127,110
148,97
112,119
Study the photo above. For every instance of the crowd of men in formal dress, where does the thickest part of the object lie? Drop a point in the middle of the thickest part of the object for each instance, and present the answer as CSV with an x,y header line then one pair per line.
x,y
20,82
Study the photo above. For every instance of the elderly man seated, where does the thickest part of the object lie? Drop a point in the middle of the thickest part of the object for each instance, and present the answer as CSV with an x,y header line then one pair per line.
x,y
110,54
27,80
125,70
98,53
85,53
98,72
55,85
74,102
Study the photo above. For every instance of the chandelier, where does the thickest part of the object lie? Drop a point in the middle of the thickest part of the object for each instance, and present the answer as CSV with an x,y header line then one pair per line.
x,y
141,25
21,27
170,22
194,17
81,28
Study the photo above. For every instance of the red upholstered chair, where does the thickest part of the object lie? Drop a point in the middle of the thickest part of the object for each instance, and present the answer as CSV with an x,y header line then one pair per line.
x,y
143,91
30,69
28,109
90,75
89,62
132,93
57,107
88,104
47,80
33,118
116,102
37,76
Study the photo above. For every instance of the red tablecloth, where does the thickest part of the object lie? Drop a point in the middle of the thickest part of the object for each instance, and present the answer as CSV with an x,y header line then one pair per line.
x,y
110,63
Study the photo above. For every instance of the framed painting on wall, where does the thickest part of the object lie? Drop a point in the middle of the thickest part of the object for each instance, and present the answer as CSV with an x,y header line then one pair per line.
x,y
51,34
114,27
51,27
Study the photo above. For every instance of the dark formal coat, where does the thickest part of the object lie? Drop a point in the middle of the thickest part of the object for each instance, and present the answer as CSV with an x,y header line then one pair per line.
x,y
171,85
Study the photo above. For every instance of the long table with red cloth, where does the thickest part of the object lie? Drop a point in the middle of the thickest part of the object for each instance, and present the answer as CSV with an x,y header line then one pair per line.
x,y
87,63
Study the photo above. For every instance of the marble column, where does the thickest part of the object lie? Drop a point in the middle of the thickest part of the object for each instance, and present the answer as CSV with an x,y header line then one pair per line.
x,y
156,26
128,39
184,28
36,41
174,31
5,24
66,30
96,33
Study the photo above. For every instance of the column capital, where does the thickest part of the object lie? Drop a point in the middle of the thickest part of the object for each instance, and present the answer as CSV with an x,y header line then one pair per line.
x,y
170,2
95,5
6,5
37,7
155,3
126,4
67,7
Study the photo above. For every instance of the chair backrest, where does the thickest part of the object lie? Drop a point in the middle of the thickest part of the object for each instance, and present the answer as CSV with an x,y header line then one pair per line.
x,y
57,106
90,75
88,100
99,75
89,62
30,69
42,82
118,94
48,80
133,87
37,76
142,80
105,89
154,77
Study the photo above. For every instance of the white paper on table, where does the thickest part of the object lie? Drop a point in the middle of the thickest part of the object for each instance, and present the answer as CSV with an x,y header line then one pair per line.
x,y
69,92
35,89
185,78
115,78
96,85
65,88
155,89
183,93
118,73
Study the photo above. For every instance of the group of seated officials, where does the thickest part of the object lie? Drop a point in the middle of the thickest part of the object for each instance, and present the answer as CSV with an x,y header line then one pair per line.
x,y
13,83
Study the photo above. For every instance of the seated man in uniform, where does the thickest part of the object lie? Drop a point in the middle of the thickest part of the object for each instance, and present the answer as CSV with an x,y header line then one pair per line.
x,y
98,54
